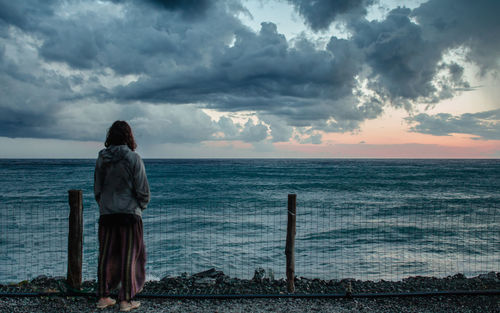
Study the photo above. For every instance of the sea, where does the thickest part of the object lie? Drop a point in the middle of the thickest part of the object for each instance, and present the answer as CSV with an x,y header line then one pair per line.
x,y
355,218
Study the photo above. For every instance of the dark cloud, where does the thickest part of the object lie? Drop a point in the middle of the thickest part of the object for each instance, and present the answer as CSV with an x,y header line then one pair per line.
x,y
262,72
406,66
176,125
143,41
405,58
31,97
25,14
472,24
321,13
79,47
19,123
402,61
62,58
188,8
484,125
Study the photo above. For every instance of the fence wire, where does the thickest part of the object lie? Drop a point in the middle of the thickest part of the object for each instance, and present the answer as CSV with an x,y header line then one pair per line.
x,y
33,241
222,247
380,243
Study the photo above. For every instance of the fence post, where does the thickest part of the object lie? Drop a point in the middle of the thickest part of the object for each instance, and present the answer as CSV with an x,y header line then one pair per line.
x,y
75,238
290,243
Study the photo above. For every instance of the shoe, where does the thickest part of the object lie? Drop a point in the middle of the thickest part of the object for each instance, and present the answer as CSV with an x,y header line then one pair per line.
x,y
105,302
129,306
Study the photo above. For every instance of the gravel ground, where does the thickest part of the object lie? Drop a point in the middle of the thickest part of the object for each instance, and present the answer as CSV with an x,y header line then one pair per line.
x,y
454,304
216,282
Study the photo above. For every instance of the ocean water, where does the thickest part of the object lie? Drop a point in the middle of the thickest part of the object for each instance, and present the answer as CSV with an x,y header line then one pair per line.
x,y
366,219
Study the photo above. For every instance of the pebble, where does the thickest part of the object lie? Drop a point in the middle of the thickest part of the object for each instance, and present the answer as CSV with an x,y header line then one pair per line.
x,y
216,282
443,304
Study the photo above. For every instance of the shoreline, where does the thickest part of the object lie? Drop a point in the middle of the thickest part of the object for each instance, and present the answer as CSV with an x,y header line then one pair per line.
x,y
213,281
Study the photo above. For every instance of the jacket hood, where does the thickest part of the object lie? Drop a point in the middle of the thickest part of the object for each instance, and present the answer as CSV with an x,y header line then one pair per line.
x,y
114,153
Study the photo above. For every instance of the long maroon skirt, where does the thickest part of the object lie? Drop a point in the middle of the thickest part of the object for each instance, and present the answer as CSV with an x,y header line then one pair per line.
x,y
122,258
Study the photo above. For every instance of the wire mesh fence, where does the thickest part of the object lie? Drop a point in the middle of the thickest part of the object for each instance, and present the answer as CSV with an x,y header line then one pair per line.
x,y
33,241
244,244
183,238
374,243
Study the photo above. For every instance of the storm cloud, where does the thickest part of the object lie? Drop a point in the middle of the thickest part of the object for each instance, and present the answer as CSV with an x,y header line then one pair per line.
x,y
483,125
71,67
321,13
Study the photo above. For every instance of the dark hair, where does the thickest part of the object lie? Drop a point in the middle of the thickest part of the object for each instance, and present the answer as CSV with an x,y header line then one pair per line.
x,y
120,133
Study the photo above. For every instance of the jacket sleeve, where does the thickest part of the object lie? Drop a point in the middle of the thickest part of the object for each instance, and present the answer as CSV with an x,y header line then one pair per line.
x,y
97,180
141,184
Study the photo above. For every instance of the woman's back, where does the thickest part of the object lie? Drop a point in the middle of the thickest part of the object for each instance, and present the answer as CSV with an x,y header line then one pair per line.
x,y
120,181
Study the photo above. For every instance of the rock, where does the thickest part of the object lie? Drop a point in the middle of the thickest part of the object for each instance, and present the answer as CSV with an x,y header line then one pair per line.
x,y
233,281
205,281
459,276
270,274
222,279
351,280
21,283
43,282
213,273
165,278
41,279
259,274
489,276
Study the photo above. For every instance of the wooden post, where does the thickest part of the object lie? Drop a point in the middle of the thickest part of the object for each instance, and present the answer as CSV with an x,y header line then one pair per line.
x,y
75,238
290,243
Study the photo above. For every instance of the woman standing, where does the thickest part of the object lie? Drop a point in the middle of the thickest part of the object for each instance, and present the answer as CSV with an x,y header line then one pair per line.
x,y
121,189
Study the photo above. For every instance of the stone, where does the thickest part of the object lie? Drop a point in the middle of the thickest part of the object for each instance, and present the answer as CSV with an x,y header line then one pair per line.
x,y
270,274
205,281
40,279
489,276
222,279
351,280
259,274
165,278
459,276
233,281
209,273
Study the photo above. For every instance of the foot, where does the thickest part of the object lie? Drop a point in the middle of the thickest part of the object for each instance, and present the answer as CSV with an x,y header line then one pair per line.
x,y
126,306
105,302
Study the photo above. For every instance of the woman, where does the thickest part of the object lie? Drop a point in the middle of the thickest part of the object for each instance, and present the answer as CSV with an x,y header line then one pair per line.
x,y
121,189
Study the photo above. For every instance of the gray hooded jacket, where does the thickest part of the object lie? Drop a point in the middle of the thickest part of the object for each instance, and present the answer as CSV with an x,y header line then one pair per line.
x,y
120,182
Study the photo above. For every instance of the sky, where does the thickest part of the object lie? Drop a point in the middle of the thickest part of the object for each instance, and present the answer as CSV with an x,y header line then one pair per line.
x,y
251,79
